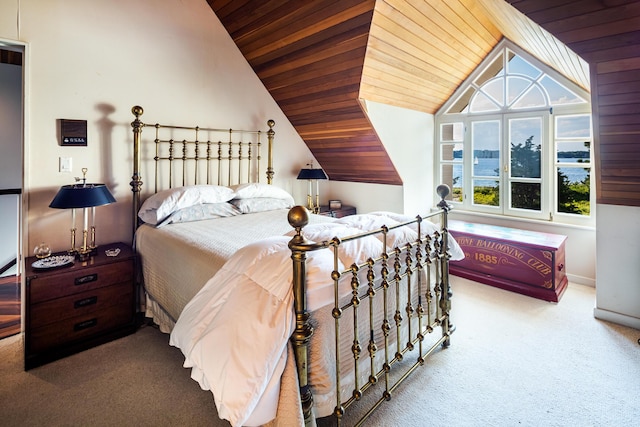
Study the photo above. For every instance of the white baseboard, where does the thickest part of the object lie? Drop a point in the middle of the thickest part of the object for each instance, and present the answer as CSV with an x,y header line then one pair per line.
x,y
581,280
621,319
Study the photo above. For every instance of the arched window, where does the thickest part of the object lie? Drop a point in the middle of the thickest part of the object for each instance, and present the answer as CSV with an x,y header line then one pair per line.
x,y
515,139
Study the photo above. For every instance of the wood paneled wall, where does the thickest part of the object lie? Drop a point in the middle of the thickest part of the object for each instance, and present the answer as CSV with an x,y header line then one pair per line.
x,y
606,33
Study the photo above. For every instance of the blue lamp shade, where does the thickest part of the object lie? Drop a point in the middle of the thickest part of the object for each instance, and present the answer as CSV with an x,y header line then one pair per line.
x,y
82,196
312,174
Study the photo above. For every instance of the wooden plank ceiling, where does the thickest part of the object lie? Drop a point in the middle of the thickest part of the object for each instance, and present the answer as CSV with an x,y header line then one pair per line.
x,y
319,59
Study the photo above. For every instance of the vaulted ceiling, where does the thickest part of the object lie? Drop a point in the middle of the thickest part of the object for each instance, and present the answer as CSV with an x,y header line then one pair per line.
x,y
319,59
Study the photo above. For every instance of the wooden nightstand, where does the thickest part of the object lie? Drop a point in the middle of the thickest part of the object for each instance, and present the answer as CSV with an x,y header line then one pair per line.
x,y
70,309
337,213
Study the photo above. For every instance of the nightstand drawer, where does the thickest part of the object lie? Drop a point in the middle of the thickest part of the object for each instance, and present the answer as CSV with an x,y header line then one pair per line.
x,y
79,327
81,303
74,281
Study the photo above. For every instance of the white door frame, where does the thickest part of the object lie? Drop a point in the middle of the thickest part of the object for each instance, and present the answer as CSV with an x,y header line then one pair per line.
x,y
23,240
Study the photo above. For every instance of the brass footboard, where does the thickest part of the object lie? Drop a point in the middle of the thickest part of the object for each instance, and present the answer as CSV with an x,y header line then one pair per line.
x,y
391,304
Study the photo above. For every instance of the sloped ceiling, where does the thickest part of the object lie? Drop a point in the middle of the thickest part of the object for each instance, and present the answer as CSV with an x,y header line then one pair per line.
x,y
319,59
310,56
420,51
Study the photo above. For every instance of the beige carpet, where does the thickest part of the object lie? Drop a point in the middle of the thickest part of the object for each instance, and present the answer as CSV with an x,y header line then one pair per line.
x,y
514,361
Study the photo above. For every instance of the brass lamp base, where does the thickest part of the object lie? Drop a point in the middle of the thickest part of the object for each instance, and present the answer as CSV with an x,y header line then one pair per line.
x,y
84,254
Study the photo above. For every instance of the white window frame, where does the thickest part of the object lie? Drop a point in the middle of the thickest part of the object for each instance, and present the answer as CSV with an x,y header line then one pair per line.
x,y
549,162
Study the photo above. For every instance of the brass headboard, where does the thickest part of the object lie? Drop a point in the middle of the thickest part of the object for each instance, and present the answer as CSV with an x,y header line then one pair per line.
x,y
196,155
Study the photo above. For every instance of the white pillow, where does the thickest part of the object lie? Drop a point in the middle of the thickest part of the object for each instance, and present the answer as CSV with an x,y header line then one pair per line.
x,y
258,189
164,203
200,212
260,204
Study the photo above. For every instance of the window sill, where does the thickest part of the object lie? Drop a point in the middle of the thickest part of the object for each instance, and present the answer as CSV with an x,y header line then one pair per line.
x,y
456,213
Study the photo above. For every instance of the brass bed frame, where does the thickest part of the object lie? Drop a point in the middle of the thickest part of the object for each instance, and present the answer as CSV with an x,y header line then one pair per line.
x,y
420,259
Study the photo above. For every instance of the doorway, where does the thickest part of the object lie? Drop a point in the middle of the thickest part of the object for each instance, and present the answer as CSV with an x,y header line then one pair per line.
x,y
11,185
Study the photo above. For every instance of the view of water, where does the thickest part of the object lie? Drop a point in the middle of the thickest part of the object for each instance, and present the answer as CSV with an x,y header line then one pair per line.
x,y
487,167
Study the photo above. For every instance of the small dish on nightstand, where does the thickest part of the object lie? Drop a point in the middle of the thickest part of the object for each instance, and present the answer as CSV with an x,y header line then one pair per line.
x,y
53,262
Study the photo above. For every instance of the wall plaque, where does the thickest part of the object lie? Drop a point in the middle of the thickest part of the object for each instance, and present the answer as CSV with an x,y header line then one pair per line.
x,y
73,132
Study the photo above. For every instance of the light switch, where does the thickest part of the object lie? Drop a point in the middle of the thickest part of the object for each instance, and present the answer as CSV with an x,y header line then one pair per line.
x,y
65,164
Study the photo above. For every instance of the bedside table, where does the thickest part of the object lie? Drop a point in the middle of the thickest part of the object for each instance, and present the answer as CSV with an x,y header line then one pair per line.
x,y
337,213
70,309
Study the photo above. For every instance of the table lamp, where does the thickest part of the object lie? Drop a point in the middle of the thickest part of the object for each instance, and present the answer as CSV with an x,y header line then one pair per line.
x,y
311,174
85,196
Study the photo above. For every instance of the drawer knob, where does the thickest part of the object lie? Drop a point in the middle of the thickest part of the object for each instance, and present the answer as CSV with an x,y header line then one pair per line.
x,y
86,279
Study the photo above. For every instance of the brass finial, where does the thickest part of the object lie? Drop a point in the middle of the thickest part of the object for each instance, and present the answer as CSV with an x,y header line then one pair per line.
x,y
137,110
84,176
298,217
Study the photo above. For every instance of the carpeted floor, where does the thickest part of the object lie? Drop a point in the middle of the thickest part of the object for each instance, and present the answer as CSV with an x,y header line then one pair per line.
x,y
514,361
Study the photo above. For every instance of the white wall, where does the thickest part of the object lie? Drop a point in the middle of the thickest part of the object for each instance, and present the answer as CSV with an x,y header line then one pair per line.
x,y
618,289
94,60
408,138
365,197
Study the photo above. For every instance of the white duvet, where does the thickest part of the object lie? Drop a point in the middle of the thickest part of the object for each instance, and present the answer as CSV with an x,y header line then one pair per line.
x,y
234,332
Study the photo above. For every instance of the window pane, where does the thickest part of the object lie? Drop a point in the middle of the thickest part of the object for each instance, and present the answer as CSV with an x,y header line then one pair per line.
x,y
574,190
452,152
574,152
495,89
482,103
524,138
558,94
451,174
525,195
486,192
533,98
485,138
573,126
515,87
485,164
517,65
